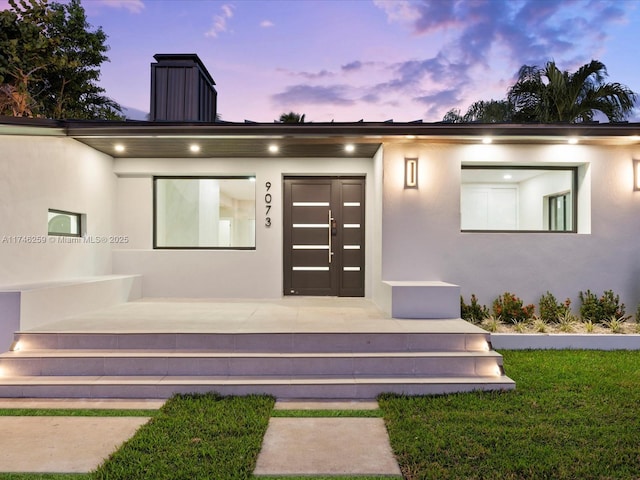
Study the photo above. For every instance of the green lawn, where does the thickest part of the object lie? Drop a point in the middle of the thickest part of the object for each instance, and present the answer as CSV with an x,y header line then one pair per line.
x,y
194,437
574,415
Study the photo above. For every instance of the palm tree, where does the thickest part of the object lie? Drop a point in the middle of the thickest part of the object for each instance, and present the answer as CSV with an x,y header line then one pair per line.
x,y
292,117
492,111
549,95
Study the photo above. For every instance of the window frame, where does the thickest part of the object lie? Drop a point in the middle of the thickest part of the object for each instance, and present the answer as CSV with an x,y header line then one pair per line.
x,y
76,215
552,212
574,194
194,177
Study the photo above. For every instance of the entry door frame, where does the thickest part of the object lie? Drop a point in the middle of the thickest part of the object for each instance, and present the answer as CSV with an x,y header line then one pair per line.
x,y
346,270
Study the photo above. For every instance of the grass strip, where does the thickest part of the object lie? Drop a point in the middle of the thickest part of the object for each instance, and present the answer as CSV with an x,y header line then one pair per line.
x,y
327,413
74,412
573,415
194,437
44,476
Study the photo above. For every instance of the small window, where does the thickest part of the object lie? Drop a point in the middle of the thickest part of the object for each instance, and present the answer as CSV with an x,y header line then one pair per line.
x,y
66,224
516,198
205,212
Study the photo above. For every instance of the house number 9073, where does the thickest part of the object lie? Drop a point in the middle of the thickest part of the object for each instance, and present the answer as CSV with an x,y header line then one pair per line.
x,y
267,204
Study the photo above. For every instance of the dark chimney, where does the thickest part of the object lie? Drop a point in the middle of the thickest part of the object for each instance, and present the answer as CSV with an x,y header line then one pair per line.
x,y
182,90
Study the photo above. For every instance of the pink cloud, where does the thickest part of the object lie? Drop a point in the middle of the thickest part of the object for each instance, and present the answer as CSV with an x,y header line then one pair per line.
x,y
134,6
220,21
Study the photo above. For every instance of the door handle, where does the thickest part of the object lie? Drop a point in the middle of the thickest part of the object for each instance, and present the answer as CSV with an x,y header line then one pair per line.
x,y
331,229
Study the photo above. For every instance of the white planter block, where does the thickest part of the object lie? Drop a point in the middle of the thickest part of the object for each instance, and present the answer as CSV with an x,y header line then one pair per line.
x,y
25,307
423,299
564,341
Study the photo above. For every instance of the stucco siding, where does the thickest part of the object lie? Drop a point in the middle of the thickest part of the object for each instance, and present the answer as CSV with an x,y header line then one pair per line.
x,y
39,173
422,239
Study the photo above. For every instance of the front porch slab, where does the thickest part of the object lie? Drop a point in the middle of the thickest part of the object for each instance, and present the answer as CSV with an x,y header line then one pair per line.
x,y
330,348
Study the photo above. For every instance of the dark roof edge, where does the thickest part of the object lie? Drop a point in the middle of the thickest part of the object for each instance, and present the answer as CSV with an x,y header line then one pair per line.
x,y
82,128
31,122
355,129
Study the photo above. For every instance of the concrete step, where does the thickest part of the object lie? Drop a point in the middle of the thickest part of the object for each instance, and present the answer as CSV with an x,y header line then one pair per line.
x,y
171,362
258,342
282,387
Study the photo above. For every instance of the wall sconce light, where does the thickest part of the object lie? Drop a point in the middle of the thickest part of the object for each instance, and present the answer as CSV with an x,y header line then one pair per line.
x,y
410,173
636,175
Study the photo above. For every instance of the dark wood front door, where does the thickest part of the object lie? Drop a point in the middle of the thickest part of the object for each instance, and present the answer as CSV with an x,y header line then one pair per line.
x,y
324,236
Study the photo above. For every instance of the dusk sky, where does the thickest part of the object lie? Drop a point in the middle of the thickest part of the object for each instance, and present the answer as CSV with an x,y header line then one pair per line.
x,y
347,60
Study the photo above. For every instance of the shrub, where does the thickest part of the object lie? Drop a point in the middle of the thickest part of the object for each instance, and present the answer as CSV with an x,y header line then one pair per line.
x,y
566,322
539,324
615,324
520,326
474,312
601,310
511,310
491,324
550,309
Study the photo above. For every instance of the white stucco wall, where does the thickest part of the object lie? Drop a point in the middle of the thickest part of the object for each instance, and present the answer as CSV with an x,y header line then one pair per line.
x,y
38,173
422,238
221,273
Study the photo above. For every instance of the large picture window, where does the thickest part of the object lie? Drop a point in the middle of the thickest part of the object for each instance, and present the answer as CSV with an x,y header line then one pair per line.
x,y
510,198
199,212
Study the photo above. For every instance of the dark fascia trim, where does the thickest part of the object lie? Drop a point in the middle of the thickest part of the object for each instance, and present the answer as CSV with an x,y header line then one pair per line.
x,y
93,128
31,122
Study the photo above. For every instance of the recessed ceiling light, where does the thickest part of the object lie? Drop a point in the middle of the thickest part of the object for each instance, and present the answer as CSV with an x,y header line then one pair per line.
x,y
194,148
410,137
119,148
572,141
487,140
349,147
507,177
273,148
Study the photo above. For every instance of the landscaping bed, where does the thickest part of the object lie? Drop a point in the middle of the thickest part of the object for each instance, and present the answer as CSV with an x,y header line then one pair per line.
x,y
596,315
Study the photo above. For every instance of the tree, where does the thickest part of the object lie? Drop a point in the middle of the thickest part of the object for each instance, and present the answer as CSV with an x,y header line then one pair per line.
x,y
291,117
24,53
549,95
49,62
492,111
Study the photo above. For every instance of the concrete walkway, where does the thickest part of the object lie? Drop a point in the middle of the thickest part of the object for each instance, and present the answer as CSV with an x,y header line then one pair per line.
x,y
65,444
292,445
326,446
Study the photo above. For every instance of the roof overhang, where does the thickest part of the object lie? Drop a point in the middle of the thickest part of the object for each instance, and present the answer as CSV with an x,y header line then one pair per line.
x,y
224,139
